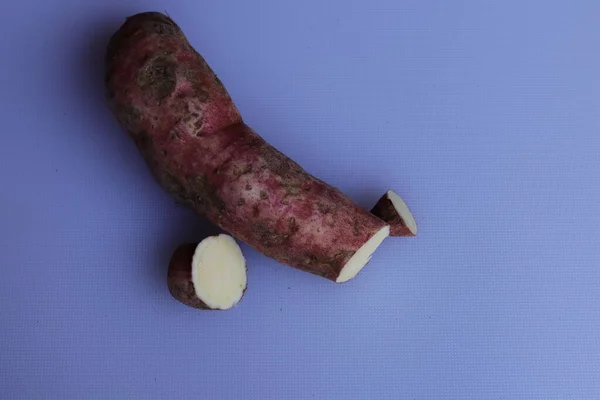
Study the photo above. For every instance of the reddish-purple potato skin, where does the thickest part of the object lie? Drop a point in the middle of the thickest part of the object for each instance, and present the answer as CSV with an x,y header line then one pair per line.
x,y
385,210
179,277
194,141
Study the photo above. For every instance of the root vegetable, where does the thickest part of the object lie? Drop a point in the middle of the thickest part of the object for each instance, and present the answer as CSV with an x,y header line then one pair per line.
x,y
392,209
198,148
210,275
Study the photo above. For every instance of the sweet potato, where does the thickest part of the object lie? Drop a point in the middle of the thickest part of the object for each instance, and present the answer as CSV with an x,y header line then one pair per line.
x,y
210,275
393,210
198,148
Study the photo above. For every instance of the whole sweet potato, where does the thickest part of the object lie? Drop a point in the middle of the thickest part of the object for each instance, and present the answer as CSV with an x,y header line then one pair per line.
x,y
198,148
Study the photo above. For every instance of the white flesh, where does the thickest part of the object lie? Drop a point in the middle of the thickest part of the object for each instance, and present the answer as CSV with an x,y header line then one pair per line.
x,y
362,255
403,211
219,272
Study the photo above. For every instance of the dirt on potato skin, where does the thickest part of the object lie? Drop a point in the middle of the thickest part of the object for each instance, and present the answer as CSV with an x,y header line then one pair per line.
x,y
198,148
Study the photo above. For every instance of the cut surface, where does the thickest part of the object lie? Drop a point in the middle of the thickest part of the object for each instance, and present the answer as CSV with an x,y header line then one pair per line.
x,y
403,211
362,255
219,272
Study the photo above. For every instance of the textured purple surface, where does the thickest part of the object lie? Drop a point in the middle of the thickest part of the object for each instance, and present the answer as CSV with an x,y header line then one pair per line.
x,y
482,115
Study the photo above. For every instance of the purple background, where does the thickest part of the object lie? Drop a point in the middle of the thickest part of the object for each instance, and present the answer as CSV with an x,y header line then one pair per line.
x,y
483,115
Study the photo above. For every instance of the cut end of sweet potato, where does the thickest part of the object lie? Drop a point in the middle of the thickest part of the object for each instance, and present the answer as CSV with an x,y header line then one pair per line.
x,y
219,272
403,212
363,255
211,275
393,210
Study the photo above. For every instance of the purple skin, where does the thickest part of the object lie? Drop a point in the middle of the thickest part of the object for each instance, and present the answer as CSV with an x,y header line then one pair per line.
x,y
194,141
179,277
